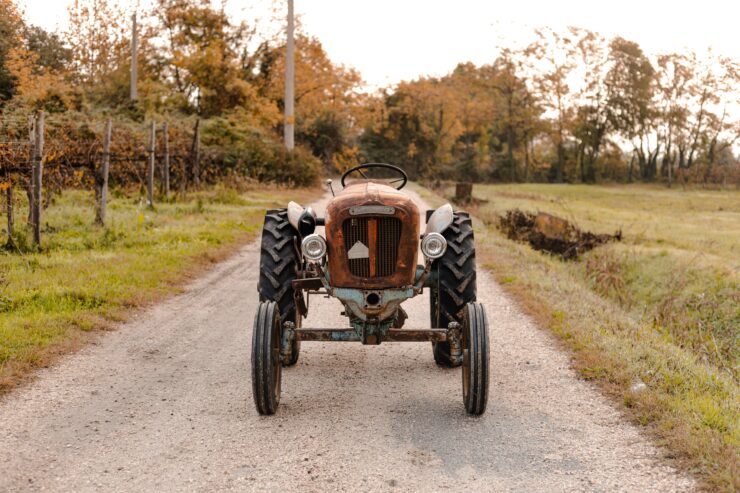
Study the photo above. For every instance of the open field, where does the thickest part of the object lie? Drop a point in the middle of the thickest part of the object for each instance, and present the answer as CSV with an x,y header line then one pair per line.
x,y
654,319
86,277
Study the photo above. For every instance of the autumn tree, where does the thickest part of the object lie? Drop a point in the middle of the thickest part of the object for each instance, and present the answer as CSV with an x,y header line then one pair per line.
x,y
202,55
11,24
330,109
98,37
51,49
631,87
590,124
675,73
406,132
32,63
510,89
552,58
516,112
713,92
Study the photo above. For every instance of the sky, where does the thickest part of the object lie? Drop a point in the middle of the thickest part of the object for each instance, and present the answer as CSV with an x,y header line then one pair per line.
x,y
393,40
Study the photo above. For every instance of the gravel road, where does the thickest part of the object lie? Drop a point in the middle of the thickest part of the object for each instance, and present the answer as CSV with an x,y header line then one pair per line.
x,y
164,404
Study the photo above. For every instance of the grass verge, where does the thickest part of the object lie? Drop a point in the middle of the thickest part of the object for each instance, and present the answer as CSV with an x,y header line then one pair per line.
x,y
86,277
654,320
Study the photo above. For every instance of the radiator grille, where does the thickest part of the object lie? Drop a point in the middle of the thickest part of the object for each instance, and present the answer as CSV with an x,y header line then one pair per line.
x,y
384,233
389,236
354,230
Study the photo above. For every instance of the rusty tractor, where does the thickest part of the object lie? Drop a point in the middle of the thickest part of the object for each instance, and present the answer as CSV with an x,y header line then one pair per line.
x,y
369,260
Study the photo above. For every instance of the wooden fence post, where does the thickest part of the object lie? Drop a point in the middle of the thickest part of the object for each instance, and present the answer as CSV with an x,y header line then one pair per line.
x,y
38,172
183,176
150,166
9,210
165,132
103,177
196,154
31,153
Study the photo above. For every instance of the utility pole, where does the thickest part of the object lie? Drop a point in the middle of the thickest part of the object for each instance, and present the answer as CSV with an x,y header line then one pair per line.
x,y
289,84
134,49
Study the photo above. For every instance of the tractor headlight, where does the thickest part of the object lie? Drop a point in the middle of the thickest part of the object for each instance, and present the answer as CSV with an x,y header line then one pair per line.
x,y
313,247
433,245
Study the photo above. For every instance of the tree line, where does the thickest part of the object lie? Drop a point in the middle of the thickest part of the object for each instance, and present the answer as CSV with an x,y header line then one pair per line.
x,y
570,106
194,63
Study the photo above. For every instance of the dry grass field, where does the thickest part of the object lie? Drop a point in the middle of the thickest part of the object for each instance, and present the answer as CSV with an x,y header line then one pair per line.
x,y
86,277
653,319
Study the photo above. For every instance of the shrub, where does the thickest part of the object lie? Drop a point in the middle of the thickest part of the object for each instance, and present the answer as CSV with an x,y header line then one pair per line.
x,y
232,147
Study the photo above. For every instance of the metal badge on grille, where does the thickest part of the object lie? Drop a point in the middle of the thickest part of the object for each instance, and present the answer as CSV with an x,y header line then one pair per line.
x,y
358,250
371,209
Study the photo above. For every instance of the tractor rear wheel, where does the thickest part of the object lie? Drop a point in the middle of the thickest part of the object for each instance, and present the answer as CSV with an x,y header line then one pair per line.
x,y
279,263
455,286
266,361
475,359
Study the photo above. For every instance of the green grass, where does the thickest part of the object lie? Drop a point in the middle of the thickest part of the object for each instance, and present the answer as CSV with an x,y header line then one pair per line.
x,y
85,277
662,307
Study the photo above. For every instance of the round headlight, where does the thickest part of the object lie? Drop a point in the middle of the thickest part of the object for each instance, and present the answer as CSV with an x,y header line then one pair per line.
x,y
313,247
433,245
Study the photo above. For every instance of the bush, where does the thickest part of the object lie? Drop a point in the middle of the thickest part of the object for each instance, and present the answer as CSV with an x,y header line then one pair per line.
x,y
232,147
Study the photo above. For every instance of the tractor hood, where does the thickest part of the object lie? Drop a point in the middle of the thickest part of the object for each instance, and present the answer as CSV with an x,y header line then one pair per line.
x,y
372,232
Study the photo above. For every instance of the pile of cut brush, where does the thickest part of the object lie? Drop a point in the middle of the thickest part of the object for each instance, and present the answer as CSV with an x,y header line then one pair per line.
x,y
551,233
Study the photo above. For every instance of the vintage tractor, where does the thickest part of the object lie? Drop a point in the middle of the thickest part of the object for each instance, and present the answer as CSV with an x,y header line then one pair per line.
x,y
368,261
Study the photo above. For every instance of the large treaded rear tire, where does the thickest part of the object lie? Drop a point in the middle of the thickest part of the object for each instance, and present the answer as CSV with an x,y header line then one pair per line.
x,y
279,261
456,286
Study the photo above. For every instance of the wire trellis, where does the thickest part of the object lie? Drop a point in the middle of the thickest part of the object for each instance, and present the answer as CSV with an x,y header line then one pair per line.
x,y
43,156
73,151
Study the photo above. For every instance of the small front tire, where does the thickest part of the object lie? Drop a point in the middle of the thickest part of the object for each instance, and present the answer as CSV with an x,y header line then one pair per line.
x,y
266,361
295,351
475,358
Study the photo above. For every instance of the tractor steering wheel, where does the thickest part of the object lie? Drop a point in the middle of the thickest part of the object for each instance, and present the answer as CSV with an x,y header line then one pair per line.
x,y
360,169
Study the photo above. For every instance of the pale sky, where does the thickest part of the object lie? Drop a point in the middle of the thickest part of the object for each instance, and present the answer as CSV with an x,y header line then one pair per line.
x,y
393,40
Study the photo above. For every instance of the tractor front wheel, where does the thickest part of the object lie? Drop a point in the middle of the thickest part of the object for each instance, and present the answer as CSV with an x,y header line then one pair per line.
x,y
266,362
475,359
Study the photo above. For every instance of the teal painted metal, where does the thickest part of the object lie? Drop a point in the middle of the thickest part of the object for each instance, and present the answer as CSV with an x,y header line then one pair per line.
x,y
355,300
345,336
286,341
349,295
372,319
371,328
432,279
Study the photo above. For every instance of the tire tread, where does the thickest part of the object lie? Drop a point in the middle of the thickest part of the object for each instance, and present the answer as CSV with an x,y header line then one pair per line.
x,y
279,264
476,325
457,281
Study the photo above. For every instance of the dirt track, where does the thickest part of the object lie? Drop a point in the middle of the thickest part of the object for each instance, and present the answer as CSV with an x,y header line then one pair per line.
x,y
164,403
